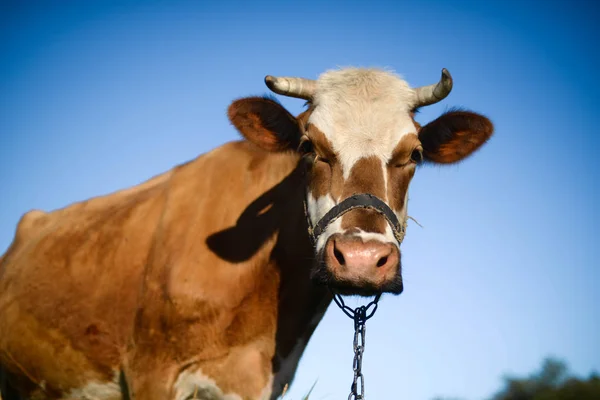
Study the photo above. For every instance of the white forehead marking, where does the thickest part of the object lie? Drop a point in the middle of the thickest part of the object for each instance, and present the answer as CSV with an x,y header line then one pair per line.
x,y
363,112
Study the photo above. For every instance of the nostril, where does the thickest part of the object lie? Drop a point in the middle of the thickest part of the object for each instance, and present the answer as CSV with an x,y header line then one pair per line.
x,y
382,261
338,256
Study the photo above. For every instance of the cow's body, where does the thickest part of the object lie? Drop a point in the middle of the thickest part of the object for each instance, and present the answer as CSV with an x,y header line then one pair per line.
x,y
207,281
126,284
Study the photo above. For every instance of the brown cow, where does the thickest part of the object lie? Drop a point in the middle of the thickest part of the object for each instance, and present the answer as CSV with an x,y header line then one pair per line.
x,y
207,281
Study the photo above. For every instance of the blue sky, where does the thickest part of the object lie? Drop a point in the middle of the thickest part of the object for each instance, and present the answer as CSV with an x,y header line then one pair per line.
x,y
99,95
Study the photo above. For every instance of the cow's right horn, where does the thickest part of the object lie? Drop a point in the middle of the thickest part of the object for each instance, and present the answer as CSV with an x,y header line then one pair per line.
x,y
294,87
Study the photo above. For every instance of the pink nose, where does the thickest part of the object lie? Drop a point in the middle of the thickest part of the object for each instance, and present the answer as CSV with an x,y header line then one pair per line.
x,y
356,261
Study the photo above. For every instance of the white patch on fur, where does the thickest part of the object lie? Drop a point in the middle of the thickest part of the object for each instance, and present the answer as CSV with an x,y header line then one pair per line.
x,y
385,183
387,237
317,208
194,383
363,112
332,228
96,390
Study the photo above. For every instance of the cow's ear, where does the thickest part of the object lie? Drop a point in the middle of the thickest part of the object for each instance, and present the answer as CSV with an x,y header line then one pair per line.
x,y
454,136
266,123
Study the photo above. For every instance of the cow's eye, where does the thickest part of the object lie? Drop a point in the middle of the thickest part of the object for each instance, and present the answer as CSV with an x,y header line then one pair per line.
x,y
416,156
323,160
306,147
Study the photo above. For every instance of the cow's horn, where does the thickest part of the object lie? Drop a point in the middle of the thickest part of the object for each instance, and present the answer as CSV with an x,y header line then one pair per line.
x,y
294,87
430,94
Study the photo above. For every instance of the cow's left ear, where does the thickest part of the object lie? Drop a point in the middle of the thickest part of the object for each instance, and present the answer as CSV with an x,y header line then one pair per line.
x,y
454,136
266,123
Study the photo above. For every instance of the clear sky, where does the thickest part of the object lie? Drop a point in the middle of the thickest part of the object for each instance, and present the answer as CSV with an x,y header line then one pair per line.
x,y
96,96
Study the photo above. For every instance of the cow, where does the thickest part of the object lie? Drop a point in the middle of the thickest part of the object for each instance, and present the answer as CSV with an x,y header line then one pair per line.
x,y
207,281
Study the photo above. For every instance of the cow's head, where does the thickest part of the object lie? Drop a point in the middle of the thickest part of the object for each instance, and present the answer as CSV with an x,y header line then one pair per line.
x,y
360,137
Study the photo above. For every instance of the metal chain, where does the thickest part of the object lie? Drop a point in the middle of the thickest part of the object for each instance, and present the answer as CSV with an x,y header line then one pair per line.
x,y
360,315
357,390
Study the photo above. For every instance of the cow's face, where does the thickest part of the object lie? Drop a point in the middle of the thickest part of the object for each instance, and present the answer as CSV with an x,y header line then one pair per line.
x,y
359,136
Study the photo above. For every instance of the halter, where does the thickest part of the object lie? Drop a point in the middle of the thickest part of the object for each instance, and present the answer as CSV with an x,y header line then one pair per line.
x,y
362,200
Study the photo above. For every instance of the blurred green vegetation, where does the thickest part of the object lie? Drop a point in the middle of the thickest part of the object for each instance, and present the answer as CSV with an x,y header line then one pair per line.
x,y
552,382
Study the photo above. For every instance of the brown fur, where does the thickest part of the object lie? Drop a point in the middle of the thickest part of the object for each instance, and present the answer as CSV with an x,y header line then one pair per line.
x,y
264,122
400,170
327,176
145,281
454,136
366,176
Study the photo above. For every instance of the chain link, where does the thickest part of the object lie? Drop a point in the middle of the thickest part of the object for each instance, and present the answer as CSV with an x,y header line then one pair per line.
x,y
360,315
357,390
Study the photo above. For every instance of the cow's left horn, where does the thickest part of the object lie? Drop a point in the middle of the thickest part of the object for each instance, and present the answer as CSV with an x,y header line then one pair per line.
x,y
294,87
430,94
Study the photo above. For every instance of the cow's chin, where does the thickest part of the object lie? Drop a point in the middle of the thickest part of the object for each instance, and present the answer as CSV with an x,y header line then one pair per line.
x,y
323,274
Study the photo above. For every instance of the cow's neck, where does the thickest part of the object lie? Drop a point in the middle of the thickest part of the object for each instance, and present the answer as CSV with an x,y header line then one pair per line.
x,y
302,304
253,285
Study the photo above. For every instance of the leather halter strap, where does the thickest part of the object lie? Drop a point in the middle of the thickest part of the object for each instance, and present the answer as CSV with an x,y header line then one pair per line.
x,y
362,200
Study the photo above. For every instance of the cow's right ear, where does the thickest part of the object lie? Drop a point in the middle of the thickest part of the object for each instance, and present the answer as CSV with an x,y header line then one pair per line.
x,y
266,123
